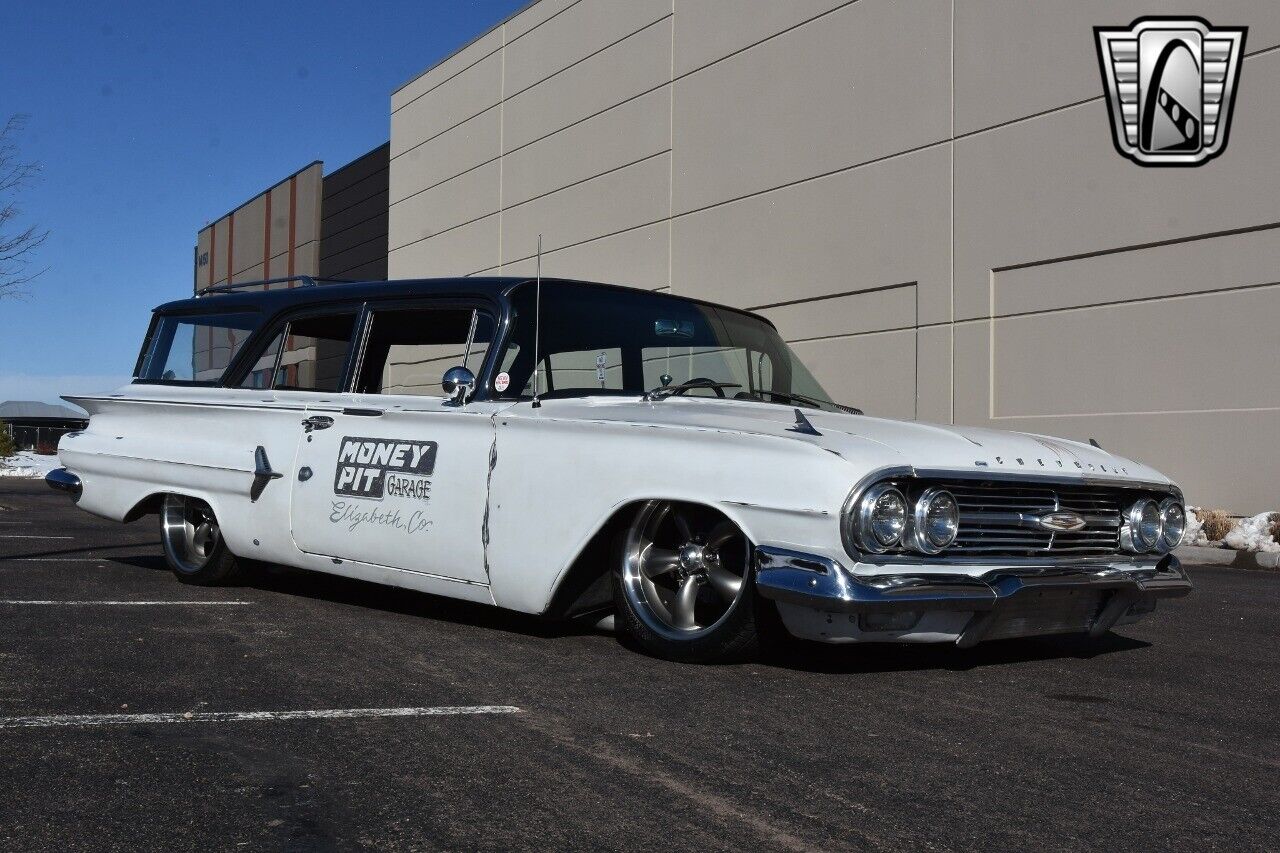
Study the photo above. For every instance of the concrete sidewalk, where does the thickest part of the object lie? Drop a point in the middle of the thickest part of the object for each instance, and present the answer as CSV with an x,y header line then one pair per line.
x,y
1196,554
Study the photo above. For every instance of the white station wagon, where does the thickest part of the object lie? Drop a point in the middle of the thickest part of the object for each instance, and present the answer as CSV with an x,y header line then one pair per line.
x,y
594,452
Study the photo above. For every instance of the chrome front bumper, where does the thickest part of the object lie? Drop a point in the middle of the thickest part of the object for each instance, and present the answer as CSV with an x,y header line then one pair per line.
x,y
995,598
62,480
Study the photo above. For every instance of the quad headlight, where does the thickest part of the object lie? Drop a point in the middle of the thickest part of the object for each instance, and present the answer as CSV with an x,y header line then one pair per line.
x,y
1143,527
880,518
935,521
1174,519
884,518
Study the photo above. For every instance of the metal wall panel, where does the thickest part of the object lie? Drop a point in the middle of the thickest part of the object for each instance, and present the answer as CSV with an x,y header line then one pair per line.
x,y
811,101
925,196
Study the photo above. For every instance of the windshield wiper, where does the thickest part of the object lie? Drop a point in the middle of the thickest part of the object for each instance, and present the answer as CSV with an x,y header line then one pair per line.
x,y
664,391
807,401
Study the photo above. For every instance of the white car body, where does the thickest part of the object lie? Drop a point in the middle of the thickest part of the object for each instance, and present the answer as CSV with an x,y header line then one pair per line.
x,y
518,491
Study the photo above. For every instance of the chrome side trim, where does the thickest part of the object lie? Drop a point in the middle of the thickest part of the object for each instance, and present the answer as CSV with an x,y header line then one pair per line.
x,y
262,473
62,480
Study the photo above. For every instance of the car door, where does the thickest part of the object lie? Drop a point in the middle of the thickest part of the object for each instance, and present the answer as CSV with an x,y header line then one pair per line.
x,y
398,475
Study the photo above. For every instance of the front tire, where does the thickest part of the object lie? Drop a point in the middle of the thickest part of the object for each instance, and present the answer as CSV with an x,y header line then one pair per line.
x,y
683,584
193,543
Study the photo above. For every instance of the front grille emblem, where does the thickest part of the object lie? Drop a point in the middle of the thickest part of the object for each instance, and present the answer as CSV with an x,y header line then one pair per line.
x,y
1062,521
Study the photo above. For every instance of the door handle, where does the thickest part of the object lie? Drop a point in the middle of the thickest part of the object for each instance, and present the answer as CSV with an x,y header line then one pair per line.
x,y
316,422
363,413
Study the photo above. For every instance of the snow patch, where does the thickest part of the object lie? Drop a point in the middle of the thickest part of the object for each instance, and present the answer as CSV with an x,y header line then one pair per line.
x,y
1246,534
27,464
1194,532
1252,534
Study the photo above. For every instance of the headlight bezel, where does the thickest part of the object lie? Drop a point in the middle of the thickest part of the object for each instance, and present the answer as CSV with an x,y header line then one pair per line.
x,y
919,533
863,529
1171,502
1131,538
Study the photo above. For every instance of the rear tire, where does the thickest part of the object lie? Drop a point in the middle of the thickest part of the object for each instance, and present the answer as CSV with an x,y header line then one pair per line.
x,y
193,544
684,584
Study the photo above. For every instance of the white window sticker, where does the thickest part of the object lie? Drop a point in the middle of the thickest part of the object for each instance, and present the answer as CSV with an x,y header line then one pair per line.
x,y
501,382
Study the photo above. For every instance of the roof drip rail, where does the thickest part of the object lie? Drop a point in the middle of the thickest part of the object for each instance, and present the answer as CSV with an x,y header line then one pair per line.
x,y
307,281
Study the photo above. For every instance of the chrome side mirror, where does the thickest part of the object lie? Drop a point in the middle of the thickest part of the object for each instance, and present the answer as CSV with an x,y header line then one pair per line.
x,y
458,384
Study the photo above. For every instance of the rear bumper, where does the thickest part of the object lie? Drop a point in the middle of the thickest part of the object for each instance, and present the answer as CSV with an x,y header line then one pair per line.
x,y
1002,601
62,480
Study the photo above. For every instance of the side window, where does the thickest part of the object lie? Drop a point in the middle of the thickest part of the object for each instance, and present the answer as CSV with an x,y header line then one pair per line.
x,y
259,375
410,349
315,353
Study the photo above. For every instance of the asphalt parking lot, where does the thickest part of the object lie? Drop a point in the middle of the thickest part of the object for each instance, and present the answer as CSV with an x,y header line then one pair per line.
x,y
1163,735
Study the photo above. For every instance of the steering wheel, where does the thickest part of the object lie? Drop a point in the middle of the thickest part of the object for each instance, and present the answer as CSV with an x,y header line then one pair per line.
x,y
694,383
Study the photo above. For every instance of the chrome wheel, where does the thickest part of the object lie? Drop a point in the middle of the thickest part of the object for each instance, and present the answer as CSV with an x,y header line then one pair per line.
x,y
685,568
190,532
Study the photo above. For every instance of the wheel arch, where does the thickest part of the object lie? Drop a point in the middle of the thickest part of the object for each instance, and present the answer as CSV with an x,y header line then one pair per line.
x,y
583,588
150,505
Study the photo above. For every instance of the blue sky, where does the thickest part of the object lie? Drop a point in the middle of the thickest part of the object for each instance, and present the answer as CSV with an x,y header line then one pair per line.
x,y
151,118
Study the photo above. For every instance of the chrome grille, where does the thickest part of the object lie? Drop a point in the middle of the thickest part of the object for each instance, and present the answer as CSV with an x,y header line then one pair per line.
x,y
1001,519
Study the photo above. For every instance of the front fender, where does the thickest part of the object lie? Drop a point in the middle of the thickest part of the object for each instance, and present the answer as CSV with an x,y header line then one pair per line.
x,y
557,482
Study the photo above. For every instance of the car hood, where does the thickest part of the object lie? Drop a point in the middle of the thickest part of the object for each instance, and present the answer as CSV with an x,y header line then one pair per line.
x,y
869,440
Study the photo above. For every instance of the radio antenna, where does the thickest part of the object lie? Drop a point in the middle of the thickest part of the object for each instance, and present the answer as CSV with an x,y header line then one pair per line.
x,y
537,328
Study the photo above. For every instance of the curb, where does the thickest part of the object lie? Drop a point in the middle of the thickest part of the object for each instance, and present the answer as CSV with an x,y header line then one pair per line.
x,y
1200,555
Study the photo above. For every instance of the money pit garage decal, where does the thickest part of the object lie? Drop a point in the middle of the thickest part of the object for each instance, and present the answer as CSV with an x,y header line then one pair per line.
x,y
376,468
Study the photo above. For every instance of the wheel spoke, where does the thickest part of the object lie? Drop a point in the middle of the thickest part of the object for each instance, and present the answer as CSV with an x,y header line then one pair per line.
x,y
202,538
200,535
720,534
189,535
682,527
654,597
658,561
724,582
685,601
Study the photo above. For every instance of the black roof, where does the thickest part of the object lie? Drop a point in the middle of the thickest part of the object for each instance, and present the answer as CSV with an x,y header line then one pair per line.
x,y
280,297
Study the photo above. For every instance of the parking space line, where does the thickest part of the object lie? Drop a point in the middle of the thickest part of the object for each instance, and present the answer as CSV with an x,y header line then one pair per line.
x,y
18,536
15,601
58,559
61,720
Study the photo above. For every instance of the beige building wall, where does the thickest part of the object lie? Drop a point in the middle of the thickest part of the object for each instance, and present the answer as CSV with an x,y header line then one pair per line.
x,y
273,235
924,196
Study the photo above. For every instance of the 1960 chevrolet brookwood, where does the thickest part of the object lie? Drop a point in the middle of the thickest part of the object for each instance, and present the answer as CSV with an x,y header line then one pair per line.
x,y
582,450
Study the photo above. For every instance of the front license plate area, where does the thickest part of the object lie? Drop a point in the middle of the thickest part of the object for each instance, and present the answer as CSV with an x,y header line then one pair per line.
x,y
1034,612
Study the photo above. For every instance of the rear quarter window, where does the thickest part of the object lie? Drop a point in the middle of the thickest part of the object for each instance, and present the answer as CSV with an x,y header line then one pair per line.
x,y
195,348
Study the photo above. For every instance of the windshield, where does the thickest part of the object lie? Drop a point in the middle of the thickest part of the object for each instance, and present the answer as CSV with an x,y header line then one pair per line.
x,y
610,341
